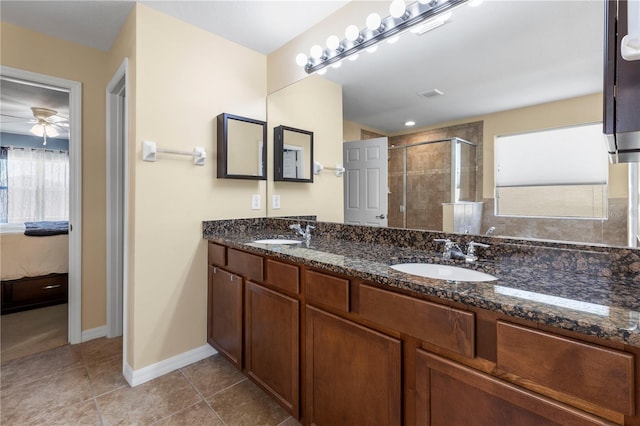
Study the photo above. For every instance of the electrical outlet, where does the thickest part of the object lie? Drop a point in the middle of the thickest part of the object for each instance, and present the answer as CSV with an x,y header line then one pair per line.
x,y
275,202
255,202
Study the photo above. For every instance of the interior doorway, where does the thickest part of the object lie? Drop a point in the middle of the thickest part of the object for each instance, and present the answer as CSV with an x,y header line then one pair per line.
x,y
117,183
74,91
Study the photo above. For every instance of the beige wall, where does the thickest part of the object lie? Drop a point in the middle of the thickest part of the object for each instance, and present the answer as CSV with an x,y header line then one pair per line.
x,y
27,50
312,104
184,78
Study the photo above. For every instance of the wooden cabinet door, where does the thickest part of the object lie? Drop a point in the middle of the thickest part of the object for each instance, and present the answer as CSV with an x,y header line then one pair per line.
x,y
353,374
451,394
272,342
224,322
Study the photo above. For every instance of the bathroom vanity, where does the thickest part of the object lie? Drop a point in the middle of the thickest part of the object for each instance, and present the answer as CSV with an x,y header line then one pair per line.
x,y
338,337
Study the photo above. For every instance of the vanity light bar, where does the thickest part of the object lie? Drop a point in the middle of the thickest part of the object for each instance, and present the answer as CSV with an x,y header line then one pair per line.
x,y
415,14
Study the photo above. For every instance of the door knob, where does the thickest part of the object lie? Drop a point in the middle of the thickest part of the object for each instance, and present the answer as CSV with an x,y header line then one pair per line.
x,y
381,216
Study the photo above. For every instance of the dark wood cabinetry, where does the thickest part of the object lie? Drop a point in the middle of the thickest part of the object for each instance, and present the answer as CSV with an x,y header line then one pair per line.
x,y
272,342
336,350
449,394
257,327
224,328
353,373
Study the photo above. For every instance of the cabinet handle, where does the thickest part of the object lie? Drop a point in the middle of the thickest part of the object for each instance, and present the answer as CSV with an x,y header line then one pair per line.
x,y
49,287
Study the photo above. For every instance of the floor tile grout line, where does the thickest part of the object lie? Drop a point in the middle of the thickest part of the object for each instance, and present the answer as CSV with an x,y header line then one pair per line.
x,y
175,413
203,398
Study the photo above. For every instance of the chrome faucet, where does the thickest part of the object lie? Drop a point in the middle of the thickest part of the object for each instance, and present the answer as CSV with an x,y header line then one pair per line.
x,y
306,234
471,251
453,251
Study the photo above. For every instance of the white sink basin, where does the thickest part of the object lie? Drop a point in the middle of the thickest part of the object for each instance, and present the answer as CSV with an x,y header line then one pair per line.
x,y
277,241
442,272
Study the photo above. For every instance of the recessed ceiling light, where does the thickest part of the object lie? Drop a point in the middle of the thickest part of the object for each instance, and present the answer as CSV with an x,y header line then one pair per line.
x,y
410,123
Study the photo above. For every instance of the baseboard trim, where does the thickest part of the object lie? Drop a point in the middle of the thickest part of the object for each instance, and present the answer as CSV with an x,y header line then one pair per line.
x,y
93,333
150,372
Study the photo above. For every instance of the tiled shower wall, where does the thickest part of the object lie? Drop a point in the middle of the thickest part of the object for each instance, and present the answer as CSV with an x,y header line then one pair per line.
x,y
428,175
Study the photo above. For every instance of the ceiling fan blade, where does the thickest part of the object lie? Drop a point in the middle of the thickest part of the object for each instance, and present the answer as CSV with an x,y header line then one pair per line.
x,y
15,116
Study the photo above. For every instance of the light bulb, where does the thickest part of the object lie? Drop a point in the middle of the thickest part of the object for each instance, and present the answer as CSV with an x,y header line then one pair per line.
x,y
373,21
51,132
301,59
410,123
352,33
333,42
38,130
316,51
397,8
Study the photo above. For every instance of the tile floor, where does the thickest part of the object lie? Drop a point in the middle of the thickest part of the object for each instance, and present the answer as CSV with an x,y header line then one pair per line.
x,y
83,385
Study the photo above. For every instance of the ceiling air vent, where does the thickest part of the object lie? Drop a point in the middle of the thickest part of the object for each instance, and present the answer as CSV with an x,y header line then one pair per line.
x,y
431,93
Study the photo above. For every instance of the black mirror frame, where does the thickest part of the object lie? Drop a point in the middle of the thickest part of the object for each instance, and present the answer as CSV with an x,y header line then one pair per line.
x,y
223,141
278,151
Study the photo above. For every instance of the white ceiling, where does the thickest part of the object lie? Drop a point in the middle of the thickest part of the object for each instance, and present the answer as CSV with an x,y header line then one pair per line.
x,y
501,55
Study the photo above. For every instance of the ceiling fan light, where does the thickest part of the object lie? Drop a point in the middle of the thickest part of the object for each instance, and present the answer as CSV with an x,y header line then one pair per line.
x,y
38,130
51,132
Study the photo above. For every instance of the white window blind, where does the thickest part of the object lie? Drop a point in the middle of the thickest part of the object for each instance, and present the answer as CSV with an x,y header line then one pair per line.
x,y
559,173
567,156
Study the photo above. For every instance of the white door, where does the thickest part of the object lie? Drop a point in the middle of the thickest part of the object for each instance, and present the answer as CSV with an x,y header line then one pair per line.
x,y
365,182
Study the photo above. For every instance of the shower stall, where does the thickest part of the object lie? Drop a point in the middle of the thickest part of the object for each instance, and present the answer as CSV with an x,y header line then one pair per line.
x,y
432,186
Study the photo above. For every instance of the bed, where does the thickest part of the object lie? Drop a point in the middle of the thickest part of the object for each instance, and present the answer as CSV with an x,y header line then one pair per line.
x,y
33,269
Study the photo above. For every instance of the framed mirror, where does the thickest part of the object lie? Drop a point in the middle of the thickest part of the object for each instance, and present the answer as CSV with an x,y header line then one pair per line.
x,y
292,155
242,147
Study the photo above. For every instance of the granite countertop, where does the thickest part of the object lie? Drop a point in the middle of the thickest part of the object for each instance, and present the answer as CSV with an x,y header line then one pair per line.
x,y
577,299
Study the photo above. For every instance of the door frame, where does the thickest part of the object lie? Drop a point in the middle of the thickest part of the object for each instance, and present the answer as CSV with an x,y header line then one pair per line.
x,y
117,199
75,188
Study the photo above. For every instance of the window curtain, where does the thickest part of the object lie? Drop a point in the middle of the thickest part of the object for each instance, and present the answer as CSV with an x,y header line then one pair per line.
x,y
38,185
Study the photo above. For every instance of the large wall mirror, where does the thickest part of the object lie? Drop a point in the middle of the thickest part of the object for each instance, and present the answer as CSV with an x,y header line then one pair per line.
x,y
481,73
242,147
292,154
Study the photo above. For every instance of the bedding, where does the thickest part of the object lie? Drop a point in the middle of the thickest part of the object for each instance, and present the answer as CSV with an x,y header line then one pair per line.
x,y
26,256
46,228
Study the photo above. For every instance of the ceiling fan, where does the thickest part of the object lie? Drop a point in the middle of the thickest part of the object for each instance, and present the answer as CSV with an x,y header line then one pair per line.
x,y
45,122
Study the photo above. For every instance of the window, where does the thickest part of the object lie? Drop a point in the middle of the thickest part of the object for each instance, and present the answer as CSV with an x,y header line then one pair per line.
x,y
560,173
34,185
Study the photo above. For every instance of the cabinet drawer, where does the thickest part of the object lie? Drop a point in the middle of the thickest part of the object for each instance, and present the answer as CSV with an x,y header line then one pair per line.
x,y
449,393
593,373
216,255
33,290
283,276
327,290
246,264
443,326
